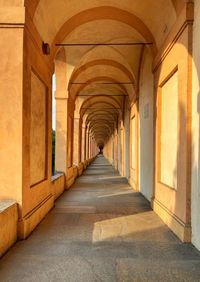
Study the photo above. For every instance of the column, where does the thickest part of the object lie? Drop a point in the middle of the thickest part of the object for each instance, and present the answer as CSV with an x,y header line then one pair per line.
x,y
11,102
61,112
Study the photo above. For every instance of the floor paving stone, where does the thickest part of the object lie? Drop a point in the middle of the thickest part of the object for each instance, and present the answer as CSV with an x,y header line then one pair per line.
x,y
101,230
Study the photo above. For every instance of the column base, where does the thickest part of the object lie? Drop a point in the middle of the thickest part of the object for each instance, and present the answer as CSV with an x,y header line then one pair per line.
x,y
85,164
178,227
75,170
80,169
28,223
133,184
70,177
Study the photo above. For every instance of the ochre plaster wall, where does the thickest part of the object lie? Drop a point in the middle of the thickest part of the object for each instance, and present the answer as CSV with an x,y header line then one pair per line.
x,y
58,185
36,200
38,130
10,3
8,224
174,205
169,132
11,110
134,139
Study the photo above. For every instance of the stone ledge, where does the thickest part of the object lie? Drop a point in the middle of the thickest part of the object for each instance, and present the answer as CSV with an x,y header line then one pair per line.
x,y
6,204
58,185
8,224
57,176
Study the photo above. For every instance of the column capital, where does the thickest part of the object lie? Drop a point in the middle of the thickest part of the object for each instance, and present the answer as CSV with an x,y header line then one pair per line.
x,y
61,95
12,17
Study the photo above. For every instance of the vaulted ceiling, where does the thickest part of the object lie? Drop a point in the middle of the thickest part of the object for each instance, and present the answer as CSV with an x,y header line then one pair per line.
x,y
103,77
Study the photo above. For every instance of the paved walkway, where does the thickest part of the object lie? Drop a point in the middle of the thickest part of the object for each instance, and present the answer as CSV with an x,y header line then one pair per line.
x,y
100,230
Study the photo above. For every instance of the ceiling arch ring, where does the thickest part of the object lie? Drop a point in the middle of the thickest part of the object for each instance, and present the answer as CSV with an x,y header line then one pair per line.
x,y
108,115
103,133
83,111
32,6
87,100
104,62
101,13
101,121
111,118
101,128
99,124
96,79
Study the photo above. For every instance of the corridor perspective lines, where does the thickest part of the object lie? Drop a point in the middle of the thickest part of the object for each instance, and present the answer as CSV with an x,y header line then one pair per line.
x,y
101,230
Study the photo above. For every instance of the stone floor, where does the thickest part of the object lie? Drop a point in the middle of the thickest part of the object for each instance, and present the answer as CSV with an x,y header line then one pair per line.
x,y
101,230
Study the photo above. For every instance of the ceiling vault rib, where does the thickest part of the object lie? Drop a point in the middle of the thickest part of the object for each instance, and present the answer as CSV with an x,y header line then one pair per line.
x,y
101,108
102,83
104,44
100,95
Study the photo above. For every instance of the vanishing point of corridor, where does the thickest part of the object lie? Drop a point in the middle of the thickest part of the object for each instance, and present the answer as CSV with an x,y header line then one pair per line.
x,y
101,230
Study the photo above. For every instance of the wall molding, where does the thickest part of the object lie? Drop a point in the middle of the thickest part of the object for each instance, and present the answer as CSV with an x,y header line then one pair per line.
x,y
185,19
180,229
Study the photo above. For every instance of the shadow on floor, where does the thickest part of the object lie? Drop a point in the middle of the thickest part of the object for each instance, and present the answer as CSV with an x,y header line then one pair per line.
x,y
101,230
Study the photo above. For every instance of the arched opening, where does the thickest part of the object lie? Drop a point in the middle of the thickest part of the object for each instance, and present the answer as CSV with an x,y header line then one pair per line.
x,y
123,88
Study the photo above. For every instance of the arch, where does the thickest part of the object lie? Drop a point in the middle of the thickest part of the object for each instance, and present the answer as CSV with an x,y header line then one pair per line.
x,y
104,62
32,6
112,102
178,5
101,13
96,113
96,79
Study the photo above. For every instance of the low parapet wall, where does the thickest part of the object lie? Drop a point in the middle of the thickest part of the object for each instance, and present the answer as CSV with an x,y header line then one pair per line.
x,y
8,224
58,185
12,228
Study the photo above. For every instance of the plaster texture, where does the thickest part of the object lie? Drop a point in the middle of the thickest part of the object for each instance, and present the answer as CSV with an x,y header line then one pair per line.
x,y
38,130
58,185
101,230
8,224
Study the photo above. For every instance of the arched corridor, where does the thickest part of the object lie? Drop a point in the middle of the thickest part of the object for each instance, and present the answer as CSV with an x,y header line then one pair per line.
x,y
104,96
101,230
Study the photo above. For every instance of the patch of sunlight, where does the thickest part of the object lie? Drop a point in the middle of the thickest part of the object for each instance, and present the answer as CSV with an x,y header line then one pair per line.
x,y
116,194
110,177
126,227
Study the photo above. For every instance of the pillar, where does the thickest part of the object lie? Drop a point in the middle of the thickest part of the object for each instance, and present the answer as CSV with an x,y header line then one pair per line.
x,y
11,102
61,111
71,171
87,144
77,144
83,144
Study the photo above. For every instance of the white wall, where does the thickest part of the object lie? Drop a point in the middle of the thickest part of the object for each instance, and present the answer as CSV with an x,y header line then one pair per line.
x,y
146,127
196,130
